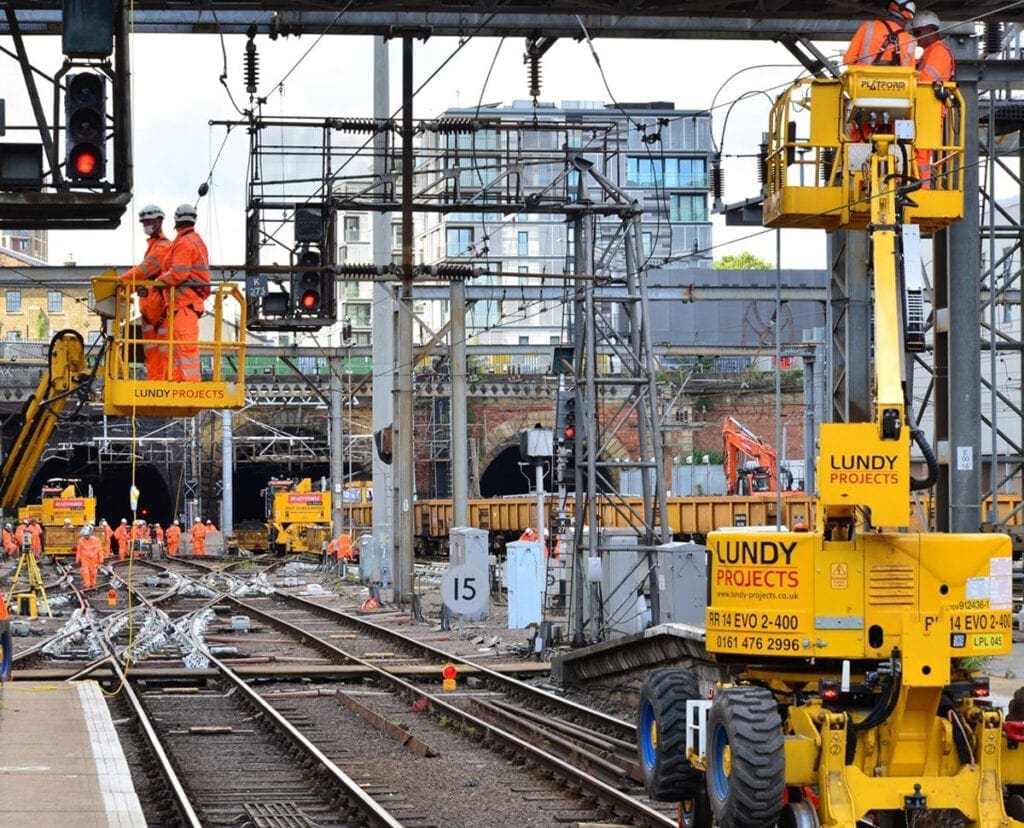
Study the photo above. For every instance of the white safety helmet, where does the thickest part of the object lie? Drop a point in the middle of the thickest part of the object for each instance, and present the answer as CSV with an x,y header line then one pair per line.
x,y
185,214
149,212
924,20
8,526
86,531
903,9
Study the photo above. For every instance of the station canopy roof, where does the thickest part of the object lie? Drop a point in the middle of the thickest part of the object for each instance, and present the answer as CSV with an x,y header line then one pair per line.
x,y
732,19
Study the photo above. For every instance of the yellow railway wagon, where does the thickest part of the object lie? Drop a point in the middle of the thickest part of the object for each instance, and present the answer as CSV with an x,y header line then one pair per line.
x,y
697,516
688,517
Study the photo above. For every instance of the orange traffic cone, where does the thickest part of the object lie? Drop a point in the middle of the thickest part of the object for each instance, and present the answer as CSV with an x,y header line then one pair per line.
x,y
111,597
370,603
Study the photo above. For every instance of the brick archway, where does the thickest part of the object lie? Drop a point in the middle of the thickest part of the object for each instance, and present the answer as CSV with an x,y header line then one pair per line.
x,y
501,437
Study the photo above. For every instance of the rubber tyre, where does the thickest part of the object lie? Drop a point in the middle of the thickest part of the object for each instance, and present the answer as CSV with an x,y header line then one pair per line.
x,y
7,656
661,735
745,762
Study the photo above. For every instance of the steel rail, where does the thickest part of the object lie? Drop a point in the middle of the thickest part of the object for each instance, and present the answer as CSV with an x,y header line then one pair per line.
x,y
621,803
156,748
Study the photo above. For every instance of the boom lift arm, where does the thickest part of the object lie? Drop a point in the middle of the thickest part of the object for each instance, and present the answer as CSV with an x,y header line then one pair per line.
x,y
66,378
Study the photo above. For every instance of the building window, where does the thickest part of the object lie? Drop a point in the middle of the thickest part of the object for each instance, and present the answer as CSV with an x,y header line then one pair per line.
x,y
524,340
351,228
666,172
647,242
396,236
687,207
14,301
54,301
14,336
524,243
458,242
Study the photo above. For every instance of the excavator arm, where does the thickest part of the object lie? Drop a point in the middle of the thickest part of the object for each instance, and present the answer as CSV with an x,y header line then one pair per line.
x,y
66,377
739,440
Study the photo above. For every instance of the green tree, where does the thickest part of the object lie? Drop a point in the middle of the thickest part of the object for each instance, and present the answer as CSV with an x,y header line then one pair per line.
x,y
743,261
42,325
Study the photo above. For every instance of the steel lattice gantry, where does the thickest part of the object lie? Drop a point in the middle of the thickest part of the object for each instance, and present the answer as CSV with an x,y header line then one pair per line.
x,y
957,275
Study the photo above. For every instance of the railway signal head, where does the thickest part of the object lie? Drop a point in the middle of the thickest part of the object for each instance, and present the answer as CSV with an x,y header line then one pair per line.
x,y
85,109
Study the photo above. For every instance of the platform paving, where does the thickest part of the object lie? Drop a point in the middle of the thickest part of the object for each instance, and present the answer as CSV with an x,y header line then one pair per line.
x,y
61,761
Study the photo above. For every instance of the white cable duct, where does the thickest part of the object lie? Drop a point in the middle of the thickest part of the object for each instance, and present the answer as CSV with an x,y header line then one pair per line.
x,y
78,632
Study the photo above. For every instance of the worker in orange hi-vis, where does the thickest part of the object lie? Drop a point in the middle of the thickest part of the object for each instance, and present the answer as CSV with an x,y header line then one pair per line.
x,y
139,536
157,535
173,537
152,303
10,545
121,536
936,65
532,535
36,532
198,538
187,269
105,533
89,555
343,548
884,41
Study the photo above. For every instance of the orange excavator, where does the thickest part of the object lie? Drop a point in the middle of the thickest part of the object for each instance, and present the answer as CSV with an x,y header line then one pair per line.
x,y
751,464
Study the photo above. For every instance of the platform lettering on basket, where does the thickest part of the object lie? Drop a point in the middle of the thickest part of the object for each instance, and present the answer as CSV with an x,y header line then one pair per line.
x,y
464,589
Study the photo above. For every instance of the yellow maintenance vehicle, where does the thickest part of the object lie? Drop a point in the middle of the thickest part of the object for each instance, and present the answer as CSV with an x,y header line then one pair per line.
x,y
62,511
851,699
298,518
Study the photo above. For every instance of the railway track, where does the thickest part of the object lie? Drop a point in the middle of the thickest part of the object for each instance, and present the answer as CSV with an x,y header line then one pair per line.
x,y
188,726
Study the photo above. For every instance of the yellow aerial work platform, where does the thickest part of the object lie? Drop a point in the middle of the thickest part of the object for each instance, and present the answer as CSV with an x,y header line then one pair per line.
x,y
818,173
128,392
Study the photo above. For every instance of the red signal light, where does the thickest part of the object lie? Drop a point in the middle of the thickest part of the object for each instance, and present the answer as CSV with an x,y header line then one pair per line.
x,y
570,433
310,300
85,161
448,672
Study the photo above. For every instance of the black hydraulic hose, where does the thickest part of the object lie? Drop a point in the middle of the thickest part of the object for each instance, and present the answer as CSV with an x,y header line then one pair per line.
x,y
917,484
887,700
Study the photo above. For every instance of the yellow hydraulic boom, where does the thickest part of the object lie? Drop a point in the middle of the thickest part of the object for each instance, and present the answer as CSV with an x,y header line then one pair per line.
x,y
65,378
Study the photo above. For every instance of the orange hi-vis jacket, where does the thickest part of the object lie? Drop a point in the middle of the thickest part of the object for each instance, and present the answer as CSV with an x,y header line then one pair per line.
x,y
121,533
173,535
35,532
108,533
151,266
198,533
89,551
936,63
187,261
880,42
10,547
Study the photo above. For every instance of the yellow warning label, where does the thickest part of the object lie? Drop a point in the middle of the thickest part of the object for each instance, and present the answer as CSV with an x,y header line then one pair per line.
x,y
839,576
